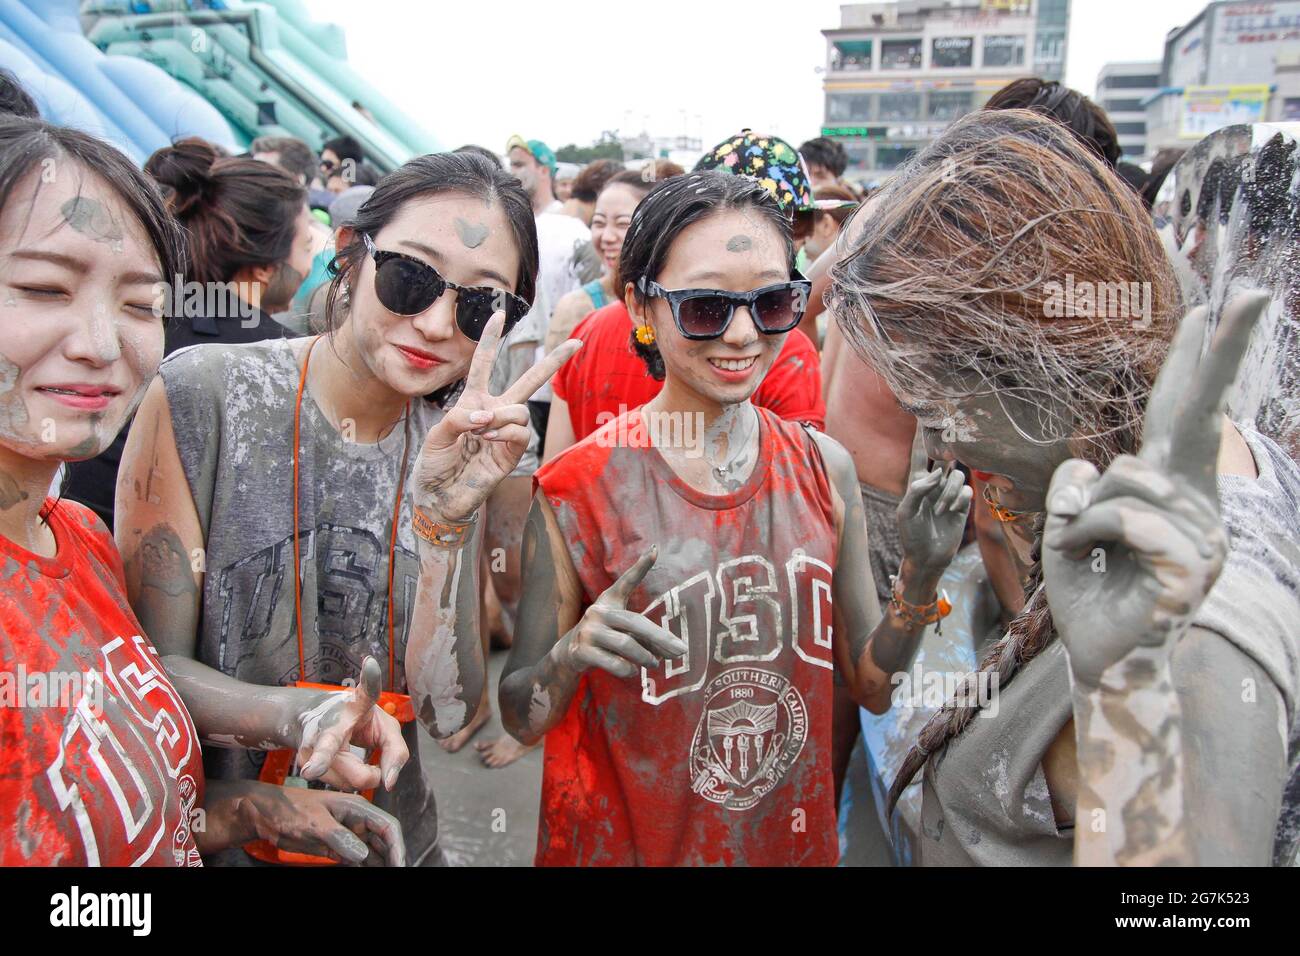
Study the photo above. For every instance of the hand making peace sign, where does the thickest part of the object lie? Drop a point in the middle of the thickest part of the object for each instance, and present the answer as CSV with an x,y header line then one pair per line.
x,y
481,439
1156,514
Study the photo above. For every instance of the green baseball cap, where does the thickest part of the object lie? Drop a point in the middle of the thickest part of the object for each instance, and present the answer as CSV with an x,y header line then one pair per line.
x,y
537,149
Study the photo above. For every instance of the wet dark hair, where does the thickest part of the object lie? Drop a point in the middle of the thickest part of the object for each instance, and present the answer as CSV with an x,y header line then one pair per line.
x,y
1161,166
25,143
481,151
1070,108
296,157
669,208
466,173
14,98
827,153
1133,174
593,178
344,147
236,211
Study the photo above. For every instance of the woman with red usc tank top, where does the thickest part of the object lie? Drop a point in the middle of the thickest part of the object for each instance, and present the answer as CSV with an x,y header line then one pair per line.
x,y
695,571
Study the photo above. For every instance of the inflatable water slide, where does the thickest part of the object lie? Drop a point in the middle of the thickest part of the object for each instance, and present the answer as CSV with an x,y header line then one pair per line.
x,y
142,73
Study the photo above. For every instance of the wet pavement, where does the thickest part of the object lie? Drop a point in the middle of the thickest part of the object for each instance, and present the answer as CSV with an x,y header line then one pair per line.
x,y
489,817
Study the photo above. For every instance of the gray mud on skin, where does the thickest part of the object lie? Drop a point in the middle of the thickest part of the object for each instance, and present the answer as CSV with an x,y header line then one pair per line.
x,y
90,218
472,234
13,413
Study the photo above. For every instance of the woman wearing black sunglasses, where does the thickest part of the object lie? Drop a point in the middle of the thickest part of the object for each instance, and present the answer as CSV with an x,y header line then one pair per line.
x,y
289,507
695,570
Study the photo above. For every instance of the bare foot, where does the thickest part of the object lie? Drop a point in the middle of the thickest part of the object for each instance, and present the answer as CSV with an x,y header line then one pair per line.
x,y
461,737
501,752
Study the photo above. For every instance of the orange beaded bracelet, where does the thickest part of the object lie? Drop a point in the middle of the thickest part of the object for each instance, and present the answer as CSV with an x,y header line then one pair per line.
x,y
918,615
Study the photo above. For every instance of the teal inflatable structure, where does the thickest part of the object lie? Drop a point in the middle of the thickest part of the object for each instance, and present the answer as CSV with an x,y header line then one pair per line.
x,y
142,73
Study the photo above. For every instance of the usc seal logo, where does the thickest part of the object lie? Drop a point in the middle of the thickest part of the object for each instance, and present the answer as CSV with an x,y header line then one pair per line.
x,y
751,732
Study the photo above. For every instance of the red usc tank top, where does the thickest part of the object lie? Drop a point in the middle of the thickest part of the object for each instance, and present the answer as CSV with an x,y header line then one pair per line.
x,y
101,762
723,756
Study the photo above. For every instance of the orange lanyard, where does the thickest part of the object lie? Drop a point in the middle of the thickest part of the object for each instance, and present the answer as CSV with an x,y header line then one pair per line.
x,y
392,537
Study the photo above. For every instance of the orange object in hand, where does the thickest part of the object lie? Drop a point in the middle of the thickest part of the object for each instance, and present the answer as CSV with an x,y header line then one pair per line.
x,y
275,770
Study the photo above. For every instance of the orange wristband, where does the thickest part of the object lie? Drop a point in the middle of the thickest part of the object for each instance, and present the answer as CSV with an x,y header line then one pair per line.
x,y
919,615
449,536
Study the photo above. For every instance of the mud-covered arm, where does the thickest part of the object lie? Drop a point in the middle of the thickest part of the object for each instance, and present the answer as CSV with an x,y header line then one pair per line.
x,y
538,681
870,647
478,443
445,669
156,526
1182,759
557,640
319,725
1128,558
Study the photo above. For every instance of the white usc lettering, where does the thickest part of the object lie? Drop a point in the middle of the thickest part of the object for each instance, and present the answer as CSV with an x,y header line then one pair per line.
x,y
750,623
132,680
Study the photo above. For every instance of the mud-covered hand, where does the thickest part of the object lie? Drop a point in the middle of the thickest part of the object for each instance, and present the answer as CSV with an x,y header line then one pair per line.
x,y
932,514
328,722
1129,556
612,638
341,826
481,439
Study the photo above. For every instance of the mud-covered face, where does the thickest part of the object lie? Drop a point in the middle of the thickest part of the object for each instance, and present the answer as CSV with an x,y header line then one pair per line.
x,y
468,241
80,338
614,208
998,433
734,251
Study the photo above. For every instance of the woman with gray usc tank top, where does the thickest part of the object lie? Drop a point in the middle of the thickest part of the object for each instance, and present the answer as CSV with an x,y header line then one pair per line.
x,y
286,508
1159,541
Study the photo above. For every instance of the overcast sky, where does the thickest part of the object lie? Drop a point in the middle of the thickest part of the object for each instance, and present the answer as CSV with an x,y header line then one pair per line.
x,y
480,70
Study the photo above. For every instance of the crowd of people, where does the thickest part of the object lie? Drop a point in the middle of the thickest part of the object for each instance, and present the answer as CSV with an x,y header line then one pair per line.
x,y
289,446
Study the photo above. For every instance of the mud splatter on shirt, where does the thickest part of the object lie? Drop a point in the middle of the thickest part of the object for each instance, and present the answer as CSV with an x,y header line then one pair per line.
x,y
723,756
232,412
101,764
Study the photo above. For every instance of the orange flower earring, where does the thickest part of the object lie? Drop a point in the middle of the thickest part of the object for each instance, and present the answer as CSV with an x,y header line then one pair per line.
x,y
645,335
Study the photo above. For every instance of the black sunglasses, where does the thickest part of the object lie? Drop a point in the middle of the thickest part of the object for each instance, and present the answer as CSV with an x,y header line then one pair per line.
x,y
707,313
406,286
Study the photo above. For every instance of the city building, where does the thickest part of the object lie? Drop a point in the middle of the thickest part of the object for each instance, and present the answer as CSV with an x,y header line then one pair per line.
x,y
898,73
1122,91
1232,63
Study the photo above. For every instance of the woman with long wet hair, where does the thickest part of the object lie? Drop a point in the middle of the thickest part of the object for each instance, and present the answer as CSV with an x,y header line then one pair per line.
x,y
1007,281
695,571
287,508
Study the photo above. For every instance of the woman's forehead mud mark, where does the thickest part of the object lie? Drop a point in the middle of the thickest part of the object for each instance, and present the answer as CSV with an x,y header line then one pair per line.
x,y
13,413
740,243
471,234
92,219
